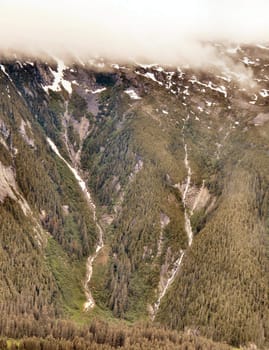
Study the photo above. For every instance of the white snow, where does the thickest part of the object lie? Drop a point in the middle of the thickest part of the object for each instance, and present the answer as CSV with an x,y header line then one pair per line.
x,y
180,72
5,72
160,69
228,79
149,76
220,89
264,93
247,61
210,85
225,78
97,91
132,94
186,91
67,86
19,63
117,66
147,66
59,79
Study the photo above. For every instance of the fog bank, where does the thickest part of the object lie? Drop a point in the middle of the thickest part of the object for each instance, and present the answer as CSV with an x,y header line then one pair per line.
x,y
169,31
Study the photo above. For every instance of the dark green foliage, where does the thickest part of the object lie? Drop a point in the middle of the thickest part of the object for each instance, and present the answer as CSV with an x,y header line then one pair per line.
x,y
133,160
27,286
105,79
50,211
5,157
56,106
100,335
232,247
77,106
73,137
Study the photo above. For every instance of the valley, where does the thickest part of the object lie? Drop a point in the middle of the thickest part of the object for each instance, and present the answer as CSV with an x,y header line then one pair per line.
x,y
135,194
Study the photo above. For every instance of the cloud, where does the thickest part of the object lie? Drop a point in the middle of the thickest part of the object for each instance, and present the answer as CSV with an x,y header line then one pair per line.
x,y
160,31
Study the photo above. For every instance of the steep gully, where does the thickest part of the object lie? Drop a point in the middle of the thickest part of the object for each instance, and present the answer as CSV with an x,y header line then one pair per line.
x,y
89,304
187,215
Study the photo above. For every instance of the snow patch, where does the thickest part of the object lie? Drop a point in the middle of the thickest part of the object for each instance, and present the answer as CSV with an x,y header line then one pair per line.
x,y
3,69
264,93
132,94
59,80
149,75
97,91
247,61
210,85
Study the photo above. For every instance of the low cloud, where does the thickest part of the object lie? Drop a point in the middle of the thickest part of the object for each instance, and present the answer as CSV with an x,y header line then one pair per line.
x,y
170,31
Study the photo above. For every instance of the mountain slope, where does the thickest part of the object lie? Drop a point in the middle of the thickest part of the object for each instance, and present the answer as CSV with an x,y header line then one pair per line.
x,y
168,164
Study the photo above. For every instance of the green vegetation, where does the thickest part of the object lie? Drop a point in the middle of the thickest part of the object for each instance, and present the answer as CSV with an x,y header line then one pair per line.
x,y
100,335
77,106
129,158
232,246
133,160
46,236
69,276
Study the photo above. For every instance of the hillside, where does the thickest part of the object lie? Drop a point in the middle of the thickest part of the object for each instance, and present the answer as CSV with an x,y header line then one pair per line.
x,y
136,192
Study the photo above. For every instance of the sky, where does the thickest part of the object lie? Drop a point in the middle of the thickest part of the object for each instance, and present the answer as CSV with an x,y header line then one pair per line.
x,y
157,30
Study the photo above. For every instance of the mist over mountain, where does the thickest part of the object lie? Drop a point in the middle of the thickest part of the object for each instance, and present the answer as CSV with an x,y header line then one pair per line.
x,y
172,32
134,187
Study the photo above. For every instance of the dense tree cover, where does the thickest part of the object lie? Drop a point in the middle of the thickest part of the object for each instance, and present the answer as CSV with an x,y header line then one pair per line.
x,y
232,247
45,226
130,159
133,160
99,335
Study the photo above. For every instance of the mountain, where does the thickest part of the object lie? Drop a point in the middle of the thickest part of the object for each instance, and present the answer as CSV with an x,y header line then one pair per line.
x,y
136,193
